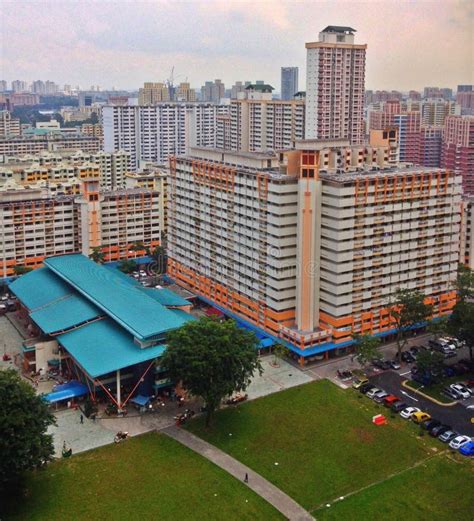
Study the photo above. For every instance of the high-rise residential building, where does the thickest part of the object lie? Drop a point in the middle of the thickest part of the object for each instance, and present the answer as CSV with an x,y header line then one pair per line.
x,y
467,233
437,92
35,225
409,126
21,145
256,123
335,86
9,126
19,86
50,87
311,257
184,92
153,133
431,138
38,87
3,86
465,99
153,93
20,99
388,139
434,111
414,95
213,91
54,169
465,88
289,82
238,87
458,149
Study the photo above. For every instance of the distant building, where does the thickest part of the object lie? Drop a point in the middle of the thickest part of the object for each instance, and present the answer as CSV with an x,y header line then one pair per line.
x,y
238,88
436,92
184,92
465,98
3,86
434,111
19,86
335,82
289,82
431,138
21,145
458,149
153,93
9,126
213,91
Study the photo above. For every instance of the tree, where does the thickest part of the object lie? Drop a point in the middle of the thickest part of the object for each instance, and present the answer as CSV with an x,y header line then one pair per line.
x,y
406,311
97,255
366,348
461,321
127,266
160,258
439,328
280,351
24,420
21,270
428,362
211,359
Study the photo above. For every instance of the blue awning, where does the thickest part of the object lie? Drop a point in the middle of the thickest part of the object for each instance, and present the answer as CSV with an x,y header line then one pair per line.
x,y
140,400
67,391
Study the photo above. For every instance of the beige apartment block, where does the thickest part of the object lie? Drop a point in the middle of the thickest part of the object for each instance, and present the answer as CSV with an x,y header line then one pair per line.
x,y
467,236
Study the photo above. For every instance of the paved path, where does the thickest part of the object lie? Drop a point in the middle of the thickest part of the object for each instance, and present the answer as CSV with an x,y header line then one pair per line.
x,y
287,506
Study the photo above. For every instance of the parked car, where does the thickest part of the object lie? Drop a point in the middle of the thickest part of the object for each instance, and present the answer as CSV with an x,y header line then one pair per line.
x,y
440,429
389,400
359,381
398,406
430,424
462,390
370,394
344,375
420,416
381,364
464,387
408,411
407,357
447,436
394,364
457,442
366,387
467,449
451,393
413,350
380,396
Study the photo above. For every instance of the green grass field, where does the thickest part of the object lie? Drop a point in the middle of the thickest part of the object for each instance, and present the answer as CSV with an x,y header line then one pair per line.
x,y
441,489
324,443
149,477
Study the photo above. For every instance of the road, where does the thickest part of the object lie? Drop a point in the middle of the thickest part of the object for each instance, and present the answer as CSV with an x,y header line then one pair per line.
x,y
457,416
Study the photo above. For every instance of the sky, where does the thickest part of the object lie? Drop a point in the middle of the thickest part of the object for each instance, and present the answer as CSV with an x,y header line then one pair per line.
x,y
121,43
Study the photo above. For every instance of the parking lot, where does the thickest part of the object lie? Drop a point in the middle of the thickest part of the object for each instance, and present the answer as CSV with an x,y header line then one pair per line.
x,y
457,416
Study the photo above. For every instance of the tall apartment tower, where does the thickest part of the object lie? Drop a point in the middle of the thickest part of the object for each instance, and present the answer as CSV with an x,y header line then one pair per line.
x,y
289,82
335,85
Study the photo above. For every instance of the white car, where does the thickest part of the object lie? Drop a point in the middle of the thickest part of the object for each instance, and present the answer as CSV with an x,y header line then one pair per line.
x,y
462,390
373,392
458,442
406,413
142,273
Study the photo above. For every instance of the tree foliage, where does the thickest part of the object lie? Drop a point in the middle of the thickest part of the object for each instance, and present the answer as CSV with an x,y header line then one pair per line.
x,y
211,359
439,328
429,361
407,310
21,270
127,266
366,348
160,258
280,351
461,321
465,283
24,420
97,255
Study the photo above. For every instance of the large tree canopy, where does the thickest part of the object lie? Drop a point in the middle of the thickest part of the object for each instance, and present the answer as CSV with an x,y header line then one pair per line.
x,y
24,419
211,359
366,348
407,310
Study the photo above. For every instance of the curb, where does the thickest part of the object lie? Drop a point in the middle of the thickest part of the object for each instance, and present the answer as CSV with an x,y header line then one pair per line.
x,y
427,396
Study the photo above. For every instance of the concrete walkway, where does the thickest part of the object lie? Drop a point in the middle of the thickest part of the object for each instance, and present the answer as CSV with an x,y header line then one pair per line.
x,y
287,506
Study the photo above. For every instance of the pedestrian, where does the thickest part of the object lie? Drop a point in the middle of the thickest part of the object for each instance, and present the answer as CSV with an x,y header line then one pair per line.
x,y
246,479
82,419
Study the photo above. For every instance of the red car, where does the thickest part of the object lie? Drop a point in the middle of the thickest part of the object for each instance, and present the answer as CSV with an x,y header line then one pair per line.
x,y
389,400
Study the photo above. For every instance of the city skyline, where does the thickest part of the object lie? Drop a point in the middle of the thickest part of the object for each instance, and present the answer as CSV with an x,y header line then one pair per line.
x,y
91,43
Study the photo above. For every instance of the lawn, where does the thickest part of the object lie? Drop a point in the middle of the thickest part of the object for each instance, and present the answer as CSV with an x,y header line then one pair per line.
x,y
317,443
438,489
149,477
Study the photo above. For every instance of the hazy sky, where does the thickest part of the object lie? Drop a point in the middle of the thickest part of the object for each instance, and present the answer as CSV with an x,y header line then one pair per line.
x,y
120,43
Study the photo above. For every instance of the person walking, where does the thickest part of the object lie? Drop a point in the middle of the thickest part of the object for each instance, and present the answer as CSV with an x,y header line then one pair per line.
x,y
82,419
246,479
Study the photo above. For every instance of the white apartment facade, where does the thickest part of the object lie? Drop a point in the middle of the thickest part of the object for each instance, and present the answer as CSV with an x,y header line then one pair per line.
x,y
9,126
335,86
307,254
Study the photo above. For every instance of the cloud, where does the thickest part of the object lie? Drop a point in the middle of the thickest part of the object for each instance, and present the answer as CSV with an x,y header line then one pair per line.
x,y
124,43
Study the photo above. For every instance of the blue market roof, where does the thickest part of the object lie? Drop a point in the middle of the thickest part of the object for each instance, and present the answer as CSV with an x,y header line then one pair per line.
x,y
65,313
102,347
66,392
165,296
139,314
39,288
